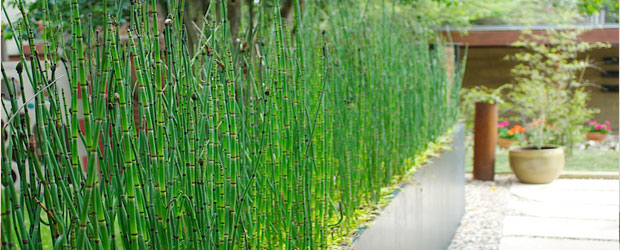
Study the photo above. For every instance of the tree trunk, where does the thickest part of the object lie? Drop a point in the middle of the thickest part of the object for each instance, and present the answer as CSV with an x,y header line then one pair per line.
x,y
194,15
288,6
234,18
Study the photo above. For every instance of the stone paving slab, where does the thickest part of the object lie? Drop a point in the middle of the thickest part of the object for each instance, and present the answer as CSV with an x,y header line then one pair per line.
x,y
565,214
527,243
554,210
589,175
573,184
566,196
561,228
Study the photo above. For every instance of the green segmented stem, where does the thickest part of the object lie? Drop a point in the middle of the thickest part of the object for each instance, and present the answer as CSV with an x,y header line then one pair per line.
x,y
279,143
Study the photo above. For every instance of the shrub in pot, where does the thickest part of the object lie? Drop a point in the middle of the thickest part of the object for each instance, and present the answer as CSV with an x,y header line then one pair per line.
x,y
550,94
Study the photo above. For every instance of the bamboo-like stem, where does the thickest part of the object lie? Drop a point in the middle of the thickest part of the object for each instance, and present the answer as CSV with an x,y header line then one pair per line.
x,y
279,144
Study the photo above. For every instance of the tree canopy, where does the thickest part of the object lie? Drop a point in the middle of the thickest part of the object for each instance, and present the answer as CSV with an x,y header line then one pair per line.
x,y
515,12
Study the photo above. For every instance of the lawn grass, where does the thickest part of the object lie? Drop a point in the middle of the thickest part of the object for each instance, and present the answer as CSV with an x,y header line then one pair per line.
x,y
581,160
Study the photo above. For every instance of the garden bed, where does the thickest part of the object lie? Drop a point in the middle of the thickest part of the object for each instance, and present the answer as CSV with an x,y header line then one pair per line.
x,y
285,143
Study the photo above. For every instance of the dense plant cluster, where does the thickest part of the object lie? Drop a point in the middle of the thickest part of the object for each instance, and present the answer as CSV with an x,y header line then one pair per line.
x,y
276,144
594,126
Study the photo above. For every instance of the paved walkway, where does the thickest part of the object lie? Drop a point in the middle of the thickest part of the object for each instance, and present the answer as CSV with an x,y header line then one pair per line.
x,y
566,214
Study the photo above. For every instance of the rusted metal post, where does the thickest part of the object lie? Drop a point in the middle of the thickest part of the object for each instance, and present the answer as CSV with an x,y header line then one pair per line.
x,y
485,138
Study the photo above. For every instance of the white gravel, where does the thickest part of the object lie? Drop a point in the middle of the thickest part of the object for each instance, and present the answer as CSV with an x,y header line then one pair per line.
x,y
481,227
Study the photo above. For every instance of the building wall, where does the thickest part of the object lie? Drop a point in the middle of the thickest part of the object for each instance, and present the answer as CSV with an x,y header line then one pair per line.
x,y
486,66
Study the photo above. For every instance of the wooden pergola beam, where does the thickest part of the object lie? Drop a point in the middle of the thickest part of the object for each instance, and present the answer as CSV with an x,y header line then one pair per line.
x,y
504,36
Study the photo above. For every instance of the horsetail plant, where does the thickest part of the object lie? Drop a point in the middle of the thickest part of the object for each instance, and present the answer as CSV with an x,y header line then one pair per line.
x,y
279,146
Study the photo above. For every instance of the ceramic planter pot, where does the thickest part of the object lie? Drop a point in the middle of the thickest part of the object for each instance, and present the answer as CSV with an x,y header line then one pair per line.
x,y
537,166
596,136
505,143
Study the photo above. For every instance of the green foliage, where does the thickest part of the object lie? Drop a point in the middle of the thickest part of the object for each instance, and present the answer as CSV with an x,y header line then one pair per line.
x,y
529,12
480,93
282,151
59,18
512,12
593,6
549,90
484,94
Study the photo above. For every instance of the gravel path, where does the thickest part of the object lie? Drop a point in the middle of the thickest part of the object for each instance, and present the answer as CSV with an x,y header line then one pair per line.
x,y
481,227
